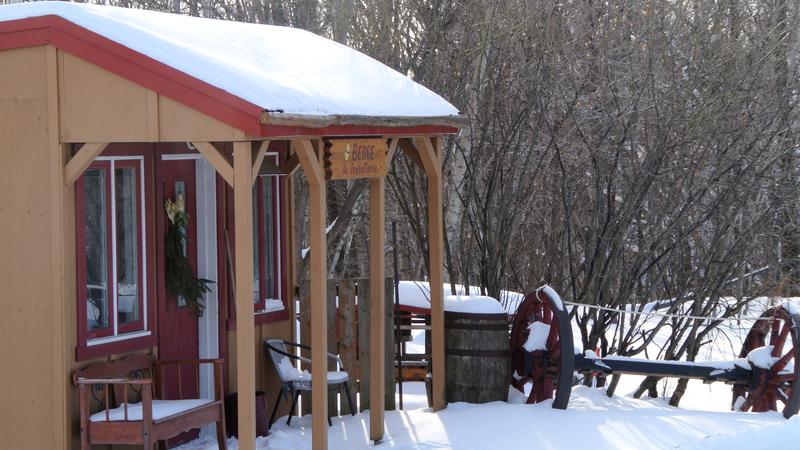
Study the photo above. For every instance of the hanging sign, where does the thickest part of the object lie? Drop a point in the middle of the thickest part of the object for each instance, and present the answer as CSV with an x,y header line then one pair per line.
x,y
347,159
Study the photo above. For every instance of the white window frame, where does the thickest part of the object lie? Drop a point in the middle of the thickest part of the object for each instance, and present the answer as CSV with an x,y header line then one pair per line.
x,y
276,186
113,276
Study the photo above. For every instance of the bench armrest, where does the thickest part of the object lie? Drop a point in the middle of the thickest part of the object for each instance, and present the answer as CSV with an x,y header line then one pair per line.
x,y
84,381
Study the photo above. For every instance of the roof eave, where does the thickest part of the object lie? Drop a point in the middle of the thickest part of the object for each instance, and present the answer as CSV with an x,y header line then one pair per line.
x,y
452,123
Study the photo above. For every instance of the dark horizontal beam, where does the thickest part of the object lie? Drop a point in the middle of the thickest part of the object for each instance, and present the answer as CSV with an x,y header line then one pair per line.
x,y
727,372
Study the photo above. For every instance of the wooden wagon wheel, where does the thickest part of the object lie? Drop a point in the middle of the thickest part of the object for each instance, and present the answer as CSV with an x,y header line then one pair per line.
x,y
549,369
774,344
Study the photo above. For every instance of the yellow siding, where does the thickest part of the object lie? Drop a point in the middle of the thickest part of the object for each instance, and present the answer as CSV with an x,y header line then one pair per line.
x,y
99,106
30,403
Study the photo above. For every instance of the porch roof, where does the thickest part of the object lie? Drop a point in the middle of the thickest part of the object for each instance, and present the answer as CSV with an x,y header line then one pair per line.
x,y
265,80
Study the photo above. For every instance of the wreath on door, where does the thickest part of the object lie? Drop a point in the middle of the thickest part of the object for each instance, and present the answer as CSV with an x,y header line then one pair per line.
x,y
181,281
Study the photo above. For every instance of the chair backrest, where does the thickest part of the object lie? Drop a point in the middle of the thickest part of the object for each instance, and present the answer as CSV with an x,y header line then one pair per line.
x,y
270,346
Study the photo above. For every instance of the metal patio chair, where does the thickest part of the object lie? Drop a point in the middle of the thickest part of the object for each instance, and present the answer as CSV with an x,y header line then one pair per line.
x,y
294,382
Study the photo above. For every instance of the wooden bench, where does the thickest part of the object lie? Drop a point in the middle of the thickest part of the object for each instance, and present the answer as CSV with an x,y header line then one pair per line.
x,y
131,412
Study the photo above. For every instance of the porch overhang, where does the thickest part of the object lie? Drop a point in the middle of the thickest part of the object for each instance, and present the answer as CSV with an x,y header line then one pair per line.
x,y
253,120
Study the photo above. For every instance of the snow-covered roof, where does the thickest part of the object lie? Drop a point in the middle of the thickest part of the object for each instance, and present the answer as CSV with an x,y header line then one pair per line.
x,y
283,70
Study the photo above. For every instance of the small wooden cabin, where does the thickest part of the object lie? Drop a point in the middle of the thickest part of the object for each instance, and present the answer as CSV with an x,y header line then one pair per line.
x,y
105,113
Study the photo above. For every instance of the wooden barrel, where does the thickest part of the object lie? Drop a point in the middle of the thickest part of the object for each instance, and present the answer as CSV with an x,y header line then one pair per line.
x,y
478,361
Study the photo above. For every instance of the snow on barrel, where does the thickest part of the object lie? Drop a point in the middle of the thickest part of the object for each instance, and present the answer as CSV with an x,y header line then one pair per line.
x,y
478,363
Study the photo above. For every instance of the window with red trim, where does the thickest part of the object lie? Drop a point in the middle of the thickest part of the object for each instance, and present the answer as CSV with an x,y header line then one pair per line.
x,y
266,241
110,228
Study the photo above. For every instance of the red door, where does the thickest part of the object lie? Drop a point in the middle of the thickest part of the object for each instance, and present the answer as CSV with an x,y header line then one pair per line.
x,y
177,321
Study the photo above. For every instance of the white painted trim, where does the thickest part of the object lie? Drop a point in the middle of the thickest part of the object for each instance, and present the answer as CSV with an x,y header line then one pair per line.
x,y
113,200
119,158
208,325
278,239
144,243
181,156
121,337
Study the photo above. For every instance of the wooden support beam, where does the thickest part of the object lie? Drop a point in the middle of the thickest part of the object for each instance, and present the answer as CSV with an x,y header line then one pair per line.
x,y
291,164
390,152
81,160
377,308
259,158
309,159
408,149
429,156
429,150
218,160
245,330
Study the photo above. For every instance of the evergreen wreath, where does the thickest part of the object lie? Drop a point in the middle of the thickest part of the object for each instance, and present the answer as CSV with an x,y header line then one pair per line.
x,y
180,279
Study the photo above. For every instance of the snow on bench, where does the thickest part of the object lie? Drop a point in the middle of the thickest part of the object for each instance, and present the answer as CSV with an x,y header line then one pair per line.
x,y
161,410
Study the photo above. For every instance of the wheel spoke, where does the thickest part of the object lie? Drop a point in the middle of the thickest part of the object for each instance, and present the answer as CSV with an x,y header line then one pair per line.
x,y
781,363
547,388
779,339
783,378
552,337
532,396
748,402
775,326
782,396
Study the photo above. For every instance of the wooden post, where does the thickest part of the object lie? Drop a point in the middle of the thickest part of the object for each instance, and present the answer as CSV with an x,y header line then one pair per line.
x,y
364,345
377,310
347,338
245,332
330,297
430,156
309,158
390,374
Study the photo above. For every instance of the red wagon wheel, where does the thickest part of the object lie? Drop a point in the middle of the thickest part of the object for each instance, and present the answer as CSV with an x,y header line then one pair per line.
x,y
773,348
549,367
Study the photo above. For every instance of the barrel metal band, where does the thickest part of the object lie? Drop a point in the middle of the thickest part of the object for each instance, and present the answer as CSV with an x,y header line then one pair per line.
x,y
478,353
477,326
473,316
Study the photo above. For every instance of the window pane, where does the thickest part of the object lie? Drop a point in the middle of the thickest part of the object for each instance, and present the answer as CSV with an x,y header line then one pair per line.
x,y
269,240
127,233
256,265
97,295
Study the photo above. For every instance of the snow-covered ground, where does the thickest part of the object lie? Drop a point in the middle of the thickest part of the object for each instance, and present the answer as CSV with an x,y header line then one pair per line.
x,y
593,420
